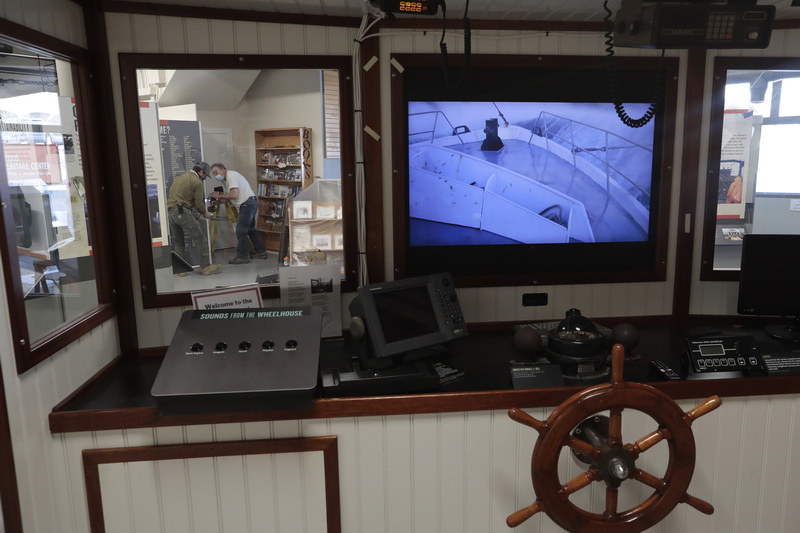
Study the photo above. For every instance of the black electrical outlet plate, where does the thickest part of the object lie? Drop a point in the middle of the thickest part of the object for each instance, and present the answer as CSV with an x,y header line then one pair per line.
x,y
534,298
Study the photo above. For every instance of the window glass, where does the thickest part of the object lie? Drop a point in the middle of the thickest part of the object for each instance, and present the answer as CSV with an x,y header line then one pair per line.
x,y
260,155
757,127
47,189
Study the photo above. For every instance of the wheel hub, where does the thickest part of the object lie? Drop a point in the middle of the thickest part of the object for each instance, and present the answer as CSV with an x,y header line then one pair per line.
x,y
615,465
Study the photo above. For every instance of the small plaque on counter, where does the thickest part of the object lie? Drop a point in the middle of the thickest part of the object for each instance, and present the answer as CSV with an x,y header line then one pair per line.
x,y
535,376
782,363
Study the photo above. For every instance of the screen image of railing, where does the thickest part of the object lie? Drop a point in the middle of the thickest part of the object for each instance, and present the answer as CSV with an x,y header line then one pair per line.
x,y
550,179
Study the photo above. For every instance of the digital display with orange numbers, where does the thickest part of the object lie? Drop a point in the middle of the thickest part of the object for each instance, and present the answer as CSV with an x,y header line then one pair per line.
x,y
412,7
419,7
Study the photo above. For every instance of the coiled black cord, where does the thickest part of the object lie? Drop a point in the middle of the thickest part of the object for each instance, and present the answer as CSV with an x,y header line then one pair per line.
x,y
613,81
467,48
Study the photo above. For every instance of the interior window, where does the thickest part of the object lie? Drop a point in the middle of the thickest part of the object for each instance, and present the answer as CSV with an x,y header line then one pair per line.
x,y
755,120
276,132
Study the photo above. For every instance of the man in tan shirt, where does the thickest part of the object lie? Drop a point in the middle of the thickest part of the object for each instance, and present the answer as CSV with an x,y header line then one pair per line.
x,y
185,205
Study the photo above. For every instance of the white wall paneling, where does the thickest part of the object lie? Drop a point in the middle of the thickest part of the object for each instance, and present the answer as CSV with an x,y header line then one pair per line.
x,y
430,473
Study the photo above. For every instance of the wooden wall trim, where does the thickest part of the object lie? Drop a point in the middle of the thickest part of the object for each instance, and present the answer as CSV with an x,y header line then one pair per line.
x,y
688,171
409,404
112,189
92,459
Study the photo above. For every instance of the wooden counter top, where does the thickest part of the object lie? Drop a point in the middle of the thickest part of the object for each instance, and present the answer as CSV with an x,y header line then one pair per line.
x,y
119,397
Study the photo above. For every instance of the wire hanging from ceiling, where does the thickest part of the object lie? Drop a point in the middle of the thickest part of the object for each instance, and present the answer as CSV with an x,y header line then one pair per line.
x,y
358,121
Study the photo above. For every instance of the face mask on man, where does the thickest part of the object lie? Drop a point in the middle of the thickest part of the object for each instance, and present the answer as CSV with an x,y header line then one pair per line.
x,y
219,177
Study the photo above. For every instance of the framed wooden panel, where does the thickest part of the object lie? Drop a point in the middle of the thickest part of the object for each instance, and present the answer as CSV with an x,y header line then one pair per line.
x,y
217,451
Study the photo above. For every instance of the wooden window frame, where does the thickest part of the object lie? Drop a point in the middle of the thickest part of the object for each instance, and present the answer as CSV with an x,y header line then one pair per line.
x,y
28,353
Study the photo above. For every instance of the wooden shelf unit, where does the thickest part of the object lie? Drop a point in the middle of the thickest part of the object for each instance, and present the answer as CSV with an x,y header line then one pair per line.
x,y
284,168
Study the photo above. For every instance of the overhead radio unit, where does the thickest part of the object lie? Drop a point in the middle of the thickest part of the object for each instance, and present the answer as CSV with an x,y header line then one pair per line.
x,y
733,25
412,7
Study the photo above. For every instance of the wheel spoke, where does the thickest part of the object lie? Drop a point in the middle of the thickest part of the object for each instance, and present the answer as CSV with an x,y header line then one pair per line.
x,y
617,362
648,441
612,497
518,415
703,409
615,428
701,505
518,517
577,483
659,485
649,479
581,447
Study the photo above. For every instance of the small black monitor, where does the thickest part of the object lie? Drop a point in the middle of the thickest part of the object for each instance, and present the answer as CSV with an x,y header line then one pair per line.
x,y
403,316
769,282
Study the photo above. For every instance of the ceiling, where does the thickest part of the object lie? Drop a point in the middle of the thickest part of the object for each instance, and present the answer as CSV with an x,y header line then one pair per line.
x,y
516,10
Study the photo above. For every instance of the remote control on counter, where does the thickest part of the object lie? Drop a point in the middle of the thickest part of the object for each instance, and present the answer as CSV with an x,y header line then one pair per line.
x,y
664,371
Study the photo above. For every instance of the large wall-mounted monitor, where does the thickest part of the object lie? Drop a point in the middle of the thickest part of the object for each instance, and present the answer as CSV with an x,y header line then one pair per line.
x,y
526,174
769,282
405,316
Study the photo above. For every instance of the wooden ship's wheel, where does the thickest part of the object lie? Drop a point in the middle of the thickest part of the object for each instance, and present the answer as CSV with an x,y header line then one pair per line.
x,y
611,461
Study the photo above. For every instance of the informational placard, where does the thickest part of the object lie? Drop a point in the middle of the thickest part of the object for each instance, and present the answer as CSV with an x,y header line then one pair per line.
x,y
233,298
315,286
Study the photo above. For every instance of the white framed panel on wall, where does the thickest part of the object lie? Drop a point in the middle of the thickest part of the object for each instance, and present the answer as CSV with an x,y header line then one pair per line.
x,y
275,485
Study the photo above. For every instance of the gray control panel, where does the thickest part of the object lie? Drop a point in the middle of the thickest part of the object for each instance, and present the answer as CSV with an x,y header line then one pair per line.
x,y
241,359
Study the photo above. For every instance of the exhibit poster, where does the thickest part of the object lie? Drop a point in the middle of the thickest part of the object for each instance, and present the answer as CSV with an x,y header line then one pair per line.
x,y
72,237
181,148
737,131
154,173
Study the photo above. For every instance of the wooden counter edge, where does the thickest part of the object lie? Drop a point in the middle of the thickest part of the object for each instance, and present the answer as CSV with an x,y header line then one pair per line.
x,y
66,421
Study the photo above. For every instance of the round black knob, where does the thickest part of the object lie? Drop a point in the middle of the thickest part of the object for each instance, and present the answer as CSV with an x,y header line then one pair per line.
x,y
197,347
244,345
221,345
291,343
268,345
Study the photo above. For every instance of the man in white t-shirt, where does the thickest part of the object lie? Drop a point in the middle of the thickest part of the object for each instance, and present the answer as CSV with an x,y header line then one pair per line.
x,y
238,192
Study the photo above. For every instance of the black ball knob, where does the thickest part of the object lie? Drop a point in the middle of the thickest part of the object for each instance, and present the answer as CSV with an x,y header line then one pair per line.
x,y
627,335
527,341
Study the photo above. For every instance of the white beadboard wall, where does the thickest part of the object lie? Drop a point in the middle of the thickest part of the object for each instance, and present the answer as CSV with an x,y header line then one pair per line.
x,y
58,18
459,472
436,473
